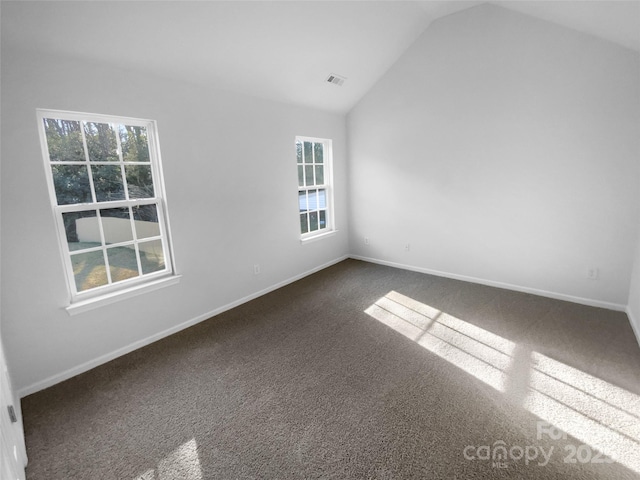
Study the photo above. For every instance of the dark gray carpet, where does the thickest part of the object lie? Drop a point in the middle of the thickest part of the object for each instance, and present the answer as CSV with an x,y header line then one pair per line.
x,y
302,383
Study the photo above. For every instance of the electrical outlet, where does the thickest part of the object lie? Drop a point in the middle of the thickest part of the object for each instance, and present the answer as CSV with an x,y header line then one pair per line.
x,y
366,240
256,269
593,273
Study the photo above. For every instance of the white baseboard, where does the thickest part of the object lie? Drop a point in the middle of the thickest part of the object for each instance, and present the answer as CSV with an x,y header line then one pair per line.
x,y
72,372
635,325
491,283
60,377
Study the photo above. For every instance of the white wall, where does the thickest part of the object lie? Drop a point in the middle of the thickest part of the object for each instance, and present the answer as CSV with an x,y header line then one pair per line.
x,y
501,147
505,149
231,181
633,308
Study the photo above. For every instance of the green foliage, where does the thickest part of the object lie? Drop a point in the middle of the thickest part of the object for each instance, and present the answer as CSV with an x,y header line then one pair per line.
x,y
102,144
107,181
139,181
318,152
145,213
64,140
135,145
71,182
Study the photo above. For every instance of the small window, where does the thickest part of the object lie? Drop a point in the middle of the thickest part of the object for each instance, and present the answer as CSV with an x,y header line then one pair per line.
x,y
315,195
108,199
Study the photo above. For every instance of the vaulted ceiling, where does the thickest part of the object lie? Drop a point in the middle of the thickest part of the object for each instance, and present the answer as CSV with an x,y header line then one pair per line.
x,y
277,50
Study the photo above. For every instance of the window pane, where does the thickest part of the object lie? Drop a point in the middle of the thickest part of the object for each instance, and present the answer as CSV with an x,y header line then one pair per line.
x,y
302,201
122,263
319,174
71,183
304,224
139,181
64,140
89,270
318,152
313,221
98,163
313,199
107,180
82,229
308,172
101,142
322,198
116,225
134,142
299,152
300,176
146,221
151,256
308,152
323,219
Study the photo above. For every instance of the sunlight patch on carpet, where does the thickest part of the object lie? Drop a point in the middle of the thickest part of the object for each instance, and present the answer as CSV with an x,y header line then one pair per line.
x,y
594,411
182,463
603,416
478,352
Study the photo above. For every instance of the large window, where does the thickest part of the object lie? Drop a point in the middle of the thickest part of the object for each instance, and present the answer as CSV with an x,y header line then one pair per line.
x,y
315,197
107,193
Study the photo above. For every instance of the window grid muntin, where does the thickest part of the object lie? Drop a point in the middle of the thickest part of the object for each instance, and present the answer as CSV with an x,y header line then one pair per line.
x,y
104,246
86,162
135,241
157,200
306,187
121,162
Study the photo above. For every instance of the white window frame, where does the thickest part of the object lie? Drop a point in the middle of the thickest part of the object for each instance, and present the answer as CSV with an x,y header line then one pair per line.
x,y
85,300
330,227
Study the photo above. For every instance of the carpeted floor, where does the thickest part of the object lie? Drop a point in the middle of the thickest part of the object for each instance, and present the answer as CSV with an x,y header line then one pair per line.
x,y
358,372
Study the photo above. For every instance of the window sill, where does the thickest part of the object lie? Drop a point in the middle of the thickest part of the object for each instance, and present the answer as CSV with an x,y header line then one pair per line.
x,y
96,302
318,237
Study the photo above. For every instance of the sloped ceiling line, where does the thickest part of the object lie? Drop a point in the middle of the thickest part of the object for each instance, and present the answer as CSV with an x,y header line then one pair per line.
x,y
282,50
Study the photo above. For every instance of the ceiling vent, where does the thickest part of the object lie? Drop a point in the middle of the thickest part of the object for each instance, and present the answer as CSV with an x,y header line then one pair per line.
x,y
336,79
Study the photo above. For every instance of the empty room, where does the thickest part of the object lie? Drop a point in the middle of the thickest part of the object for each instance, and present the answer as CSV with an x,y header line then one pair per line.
x,y
320,239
